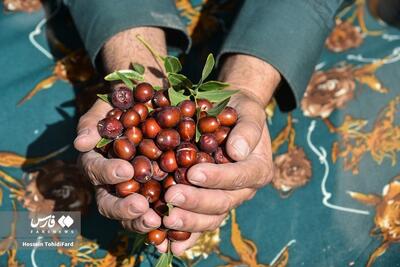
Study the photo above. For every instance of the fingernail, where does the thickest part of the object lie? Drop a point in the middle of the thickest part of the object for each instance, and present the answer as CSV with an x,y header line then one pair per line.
x,y
198,178
178,199
241,147
122,173
177,224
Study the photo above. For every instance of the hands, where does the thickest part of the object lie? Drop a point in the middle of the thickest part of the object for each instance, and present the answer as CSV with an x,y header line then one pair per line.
x,y
133,210
228,185
225,186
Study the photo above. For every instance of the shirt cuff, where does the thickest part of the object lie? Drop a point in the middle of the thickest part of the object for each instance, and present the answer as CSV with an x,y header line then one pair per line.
x,y
99,20
287,34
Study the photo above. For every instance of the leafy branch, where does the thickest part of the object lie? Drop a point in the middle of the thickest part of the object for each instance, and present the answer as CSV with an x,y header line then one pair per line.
x,y
181,88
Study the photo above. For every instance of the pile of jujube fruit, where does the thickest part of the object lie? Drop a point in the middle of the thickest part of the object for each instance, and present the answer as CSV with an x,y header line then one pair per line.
x,y
159,140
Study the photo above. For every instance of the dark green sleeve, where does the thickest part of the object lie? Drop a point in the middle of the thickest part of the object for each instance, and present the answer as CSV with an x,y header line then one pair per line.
x,y
99,20
288,34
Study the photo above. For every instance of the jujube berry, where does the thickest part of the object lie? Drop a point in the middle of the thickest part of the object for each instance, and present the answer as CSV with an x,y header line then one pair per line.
x,y
151,190
149,149
221,157
168,182
186,154
208,124
175,235
160,99
158,174
168,117
130,118
156,237
143,92
122,97
126,188
110,128
188,108
221,134
142,169
228,117
203,157
168,162
160,207
114,113
208,143
142,110
150,128
187,129
168,139
124,149
181,176
204,104
134,134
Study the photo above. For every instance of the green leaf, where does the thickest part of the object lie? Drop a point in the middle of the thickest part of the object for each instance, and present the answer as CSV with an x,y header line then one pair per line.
x,y
170,207
208,67
170,255
198,134
216,96
103,142
104,97
172,64
130,74
165,260
138,68
157,88
138,242
126,81
133,75
218,108
176,97
212,86
176,79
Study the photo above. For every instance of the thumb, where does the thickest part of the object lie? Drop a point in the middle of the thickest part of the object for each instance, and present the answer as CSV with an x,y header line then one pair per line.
x,y
87,135
247,133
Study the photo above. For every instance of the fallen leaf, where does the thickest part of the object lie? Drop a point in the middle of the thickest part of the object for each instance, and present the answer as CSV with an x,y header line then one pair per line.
x,y
42,85
10,159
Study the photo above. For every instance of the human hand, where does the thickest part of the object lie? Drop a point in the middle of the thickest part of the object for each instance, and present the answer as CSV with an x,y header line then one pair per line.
x,y
133,211
224,187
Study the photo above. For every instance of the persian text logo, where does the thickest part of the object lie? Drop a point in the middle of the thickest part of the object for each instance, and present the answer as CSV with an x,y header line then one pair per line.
x,y
45,222
49,221
51,224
